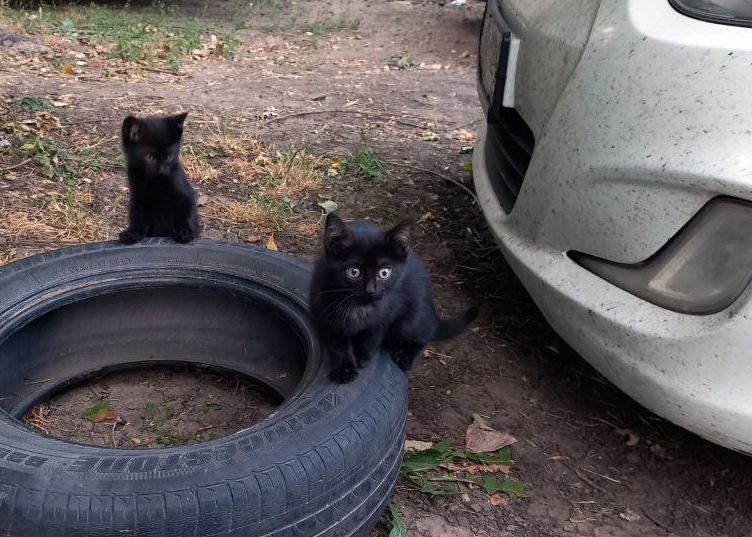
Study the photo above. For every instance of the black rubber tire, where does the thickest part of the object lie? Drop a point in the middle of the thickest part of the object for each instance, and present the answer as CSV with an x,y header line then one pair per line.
x,y
324,464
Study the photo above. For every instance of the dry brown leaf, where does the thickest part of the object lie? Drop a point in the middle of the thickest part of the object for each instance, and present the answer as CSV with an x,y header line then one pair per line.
x,y
67,70
498,499
417,445
480,438
270,244
477,468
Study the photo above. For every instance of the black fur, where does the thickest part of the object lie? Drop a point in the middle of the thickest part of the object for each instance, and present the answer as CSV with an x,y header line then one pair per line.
x,y
162,203
358,313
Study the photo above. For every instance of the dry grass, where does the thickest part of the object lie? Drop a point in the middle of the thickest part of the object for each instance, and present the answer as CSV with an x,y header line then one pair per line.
x,y
53,224
233,213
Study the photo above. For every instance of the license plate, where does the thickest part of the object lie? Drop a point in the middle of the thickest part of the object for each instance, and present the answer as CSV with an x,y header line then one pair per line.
x,y
493,58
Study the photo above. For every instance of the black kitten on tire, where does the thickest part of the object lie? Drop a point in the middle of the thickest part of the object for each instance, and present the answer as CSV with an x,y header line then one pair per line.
x,y
369,292
162,202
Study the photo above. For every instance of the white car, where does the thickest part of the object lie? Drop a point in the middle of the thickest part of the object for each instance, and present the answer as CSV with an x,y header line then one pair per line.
x,y
615,171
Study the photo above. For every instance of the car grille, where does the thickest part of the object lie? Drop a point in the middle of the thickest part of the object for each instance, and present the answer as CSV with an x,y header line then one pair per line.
x,y
509,146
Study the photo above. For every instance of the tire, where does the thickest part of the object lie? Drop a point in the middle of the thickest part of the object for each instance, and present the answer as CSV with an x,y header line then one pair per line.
x,y
323,464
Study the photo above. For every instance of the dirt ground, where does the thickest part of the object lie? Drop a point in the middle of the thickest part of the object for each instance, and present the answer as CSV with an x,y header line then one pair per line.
x,y
398,79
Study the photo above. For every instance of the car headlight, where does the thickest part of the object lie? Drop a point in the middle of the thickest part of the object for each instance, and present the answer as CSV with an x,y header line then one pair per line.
x,y
736,12
703,269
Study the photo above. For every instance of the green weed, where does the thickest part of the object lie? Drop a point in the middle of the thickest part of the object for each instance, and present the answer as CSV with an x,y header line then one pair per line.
x,y
365,162
90,412
170,439
425,469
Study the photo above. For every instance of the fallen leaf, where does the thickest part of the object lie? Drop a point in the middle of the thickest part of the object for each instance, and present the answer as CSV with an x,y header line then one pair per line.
x,y
475,469
318,98
136,440
467,149
417,445
632,437
329,206
480,438
67,70
103,414
629,515
497,500
270,244
430,137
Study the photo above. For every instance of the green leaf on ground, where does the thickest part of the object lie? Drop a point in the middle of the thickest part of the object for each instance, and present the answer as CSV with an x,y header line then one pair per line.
x,y
491,484
329,206
98,412
398,525
426,470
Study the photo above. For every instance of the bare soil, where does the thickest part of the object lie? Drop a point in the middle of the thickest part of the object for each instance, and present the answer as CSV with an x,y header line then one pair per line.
x,y
598,464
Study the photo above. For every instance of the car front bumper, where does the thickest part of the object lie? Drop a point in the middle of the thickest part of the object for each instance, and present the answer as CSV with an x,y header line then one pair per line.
x,y
651,125
693,370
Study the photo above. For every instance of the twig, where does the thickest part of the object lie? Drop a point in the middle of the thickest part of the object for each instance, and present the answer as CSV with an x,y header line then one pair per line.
x,y
9,168
603,476
366,114
436,174
588,481
114,442
655,521
90,121
165,71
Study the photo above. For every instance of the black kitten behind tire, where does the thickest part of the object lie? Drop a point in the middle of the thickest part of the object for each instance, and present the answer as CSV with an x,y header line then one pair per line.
x,y
369,292
162,202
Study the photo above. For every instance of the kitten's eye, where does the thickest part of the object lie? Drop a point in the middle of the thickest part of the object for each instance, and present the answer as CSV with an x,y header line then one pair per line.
x,y
353,273
169,157
150,158
385,273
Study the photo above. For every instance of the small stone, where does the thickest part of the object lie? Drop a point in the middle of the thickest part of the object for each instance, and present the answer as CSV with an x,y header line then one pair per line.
x,y
511,527
477,508
465,497
568,527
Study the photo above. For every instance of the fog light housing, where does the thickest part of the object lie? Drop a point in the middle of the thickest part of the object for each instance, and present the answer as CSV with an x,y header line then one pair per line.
x,y
702,270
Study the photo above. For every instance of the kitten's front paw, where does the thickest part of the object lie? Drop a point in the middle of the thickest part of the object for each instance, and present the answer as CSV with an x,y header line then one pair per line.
x,y
129,236
183,236
343,375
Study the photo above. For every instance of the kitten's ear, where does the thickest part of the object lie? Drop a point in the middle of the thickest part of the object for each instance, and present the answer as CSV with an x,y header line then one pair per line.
x,y
176,124
337,235
399,238
131,130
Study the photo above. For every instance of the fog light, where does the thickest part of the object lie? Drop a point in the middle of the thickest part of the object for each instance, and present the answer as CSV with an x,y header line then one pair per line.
x,y
703,269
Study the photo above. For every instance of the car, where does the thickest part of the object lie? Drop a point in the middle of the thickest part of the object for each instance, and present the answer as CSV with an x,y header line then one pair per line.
x,y
614,169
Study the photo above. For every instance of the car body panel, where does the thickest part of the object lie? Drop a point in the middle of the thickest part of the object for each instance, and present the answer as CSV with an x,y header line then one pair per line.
x,y
653,122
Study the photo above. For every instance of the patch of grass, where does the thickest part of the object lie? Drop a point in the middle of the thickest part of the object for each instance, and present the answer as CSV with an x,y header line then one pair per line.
x,y
365,162
401,61
32,104
168,413
150,408
151,33
227,46
324,28
439,470
170,439
90,412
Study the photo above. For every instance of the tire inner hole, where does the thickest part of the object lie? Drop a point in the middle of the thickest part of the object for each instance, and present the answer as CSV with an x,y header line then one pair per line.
x,y
155,407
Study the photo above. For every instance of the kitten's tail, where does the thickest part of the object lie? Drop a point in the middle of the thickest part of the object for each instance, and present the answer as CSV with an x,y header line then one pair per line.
x,y
452,327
